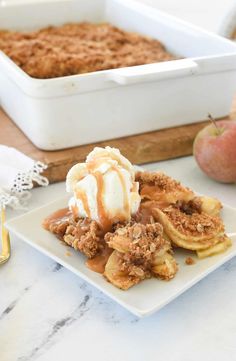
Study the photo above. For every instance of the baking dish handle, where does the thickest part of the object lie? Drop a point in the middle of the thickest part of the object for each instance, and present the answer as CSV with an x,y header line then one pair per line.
x,y
153,72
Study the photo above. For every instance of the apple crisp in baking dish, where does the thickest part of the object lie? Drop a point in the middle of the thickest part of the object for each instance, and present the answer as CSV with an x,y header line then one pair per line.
x,y
79,48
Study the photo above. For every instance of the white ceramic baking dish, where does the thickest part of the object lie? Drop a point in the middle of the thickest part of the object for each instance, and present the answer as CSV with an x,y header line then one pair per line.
x,y
74,110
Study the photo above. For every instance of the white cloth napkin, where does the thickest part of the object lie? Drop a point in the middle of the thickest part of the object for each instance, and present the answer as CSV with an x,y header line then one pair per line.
x,y
17,174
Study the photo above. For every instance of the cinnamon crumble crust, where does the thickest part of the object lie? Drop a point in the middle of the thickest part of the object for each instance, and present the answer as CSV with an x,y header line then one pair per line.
x,y
160,180
143,240
84,234
193,224
190,207
79,48
137,246
189,261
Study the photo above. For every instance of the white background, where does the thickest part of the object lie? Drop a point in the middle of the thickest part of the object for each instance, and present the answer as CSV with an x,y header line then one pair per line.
x,y
206,13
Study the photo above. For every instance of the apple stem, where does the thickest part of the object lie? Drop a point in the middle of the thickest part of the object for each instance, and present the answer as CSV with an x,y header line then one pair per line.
x,y
214,122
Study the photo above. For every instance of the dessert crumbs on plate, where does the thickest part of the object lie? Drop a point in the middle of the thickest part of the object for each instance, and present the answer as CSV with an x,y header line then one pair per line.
x,y
189,261
68,254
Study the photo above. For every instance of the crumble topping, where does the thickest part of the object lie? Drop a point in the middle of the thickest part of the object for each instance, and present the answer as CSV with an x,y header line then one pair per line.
x,y
189,261
143,216
79,48
133,269
144,240
160,180
194,224
84,234
190,207
145,252
59,225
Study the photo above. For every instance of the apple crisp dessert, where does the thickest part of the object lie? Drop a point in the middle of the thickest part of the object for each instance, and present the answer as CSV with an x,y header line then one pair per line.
x,y
79,48
128,224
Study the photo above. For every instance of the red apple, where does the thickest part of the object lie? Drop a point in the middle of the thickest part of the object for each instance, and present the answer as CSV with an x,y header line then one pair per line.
x,y
214,149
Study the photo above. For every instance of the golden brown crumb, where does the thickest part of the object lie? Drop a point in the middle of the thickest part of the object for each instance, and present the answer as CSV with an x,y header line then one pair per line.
x,y
79,48
142,240
132,268
194,224
84,234
136,244
189,261
141,252
68,254
190,207
160,180
162,189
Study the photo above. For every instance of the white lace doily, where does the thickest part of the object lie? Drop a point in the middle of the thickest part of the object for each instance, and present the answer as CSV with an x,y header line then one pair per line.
x,y
18,173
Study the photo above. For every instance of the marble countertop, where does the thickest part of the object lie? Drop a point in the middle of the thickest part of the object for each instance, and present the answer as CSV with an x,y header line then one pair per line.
x,y
49,314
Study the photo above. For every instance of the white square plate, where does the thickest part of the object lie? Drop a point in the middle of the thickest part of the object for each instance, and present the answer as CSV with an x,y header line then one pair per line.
x,y
143,299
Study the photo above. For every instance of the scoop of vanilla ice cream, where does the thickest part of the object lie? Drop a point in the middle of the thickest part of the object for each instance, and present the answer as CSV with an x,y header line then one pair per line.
x,y
104,187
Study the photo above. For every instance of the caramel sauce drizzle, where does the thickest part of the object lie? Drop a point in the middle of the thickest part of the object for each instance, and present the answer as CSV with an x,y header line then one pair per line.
x,y
102,214
81,194
59,216
125,193
74,210
98,263
104,219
